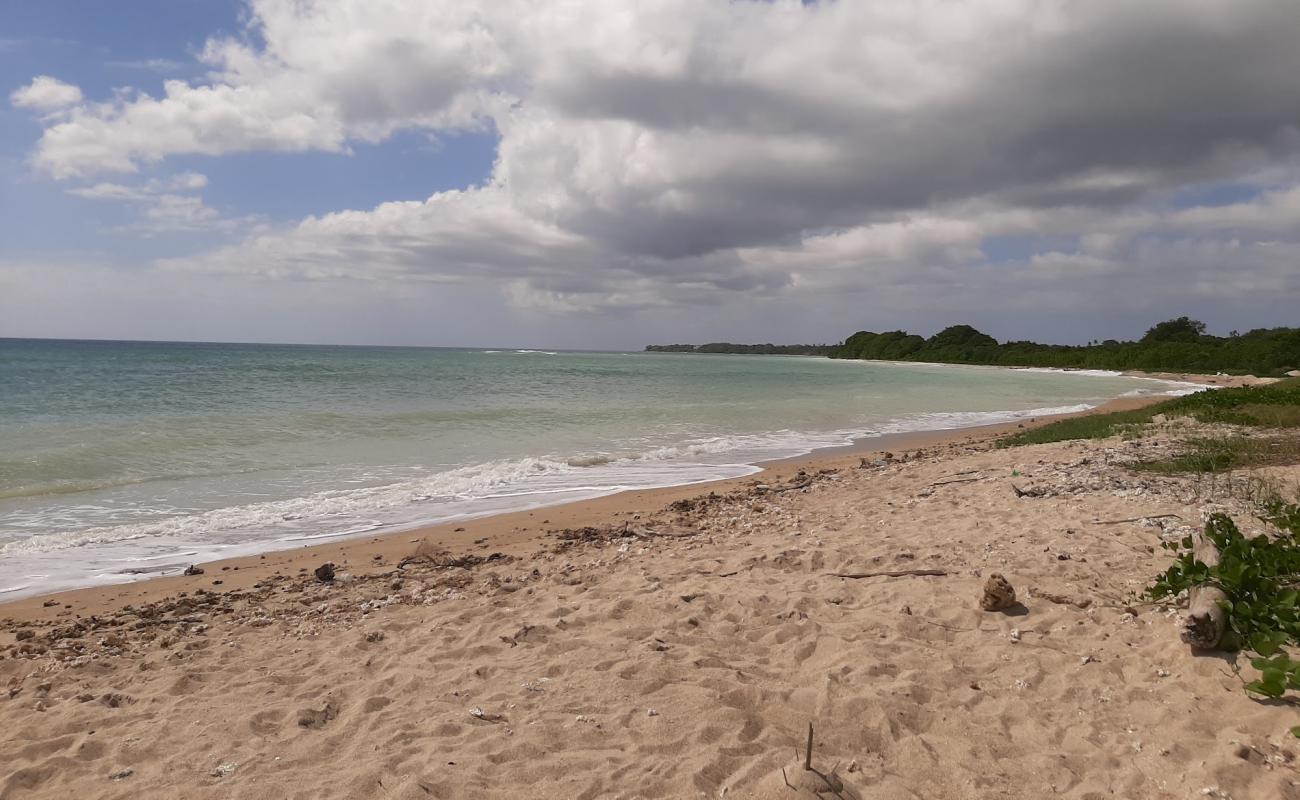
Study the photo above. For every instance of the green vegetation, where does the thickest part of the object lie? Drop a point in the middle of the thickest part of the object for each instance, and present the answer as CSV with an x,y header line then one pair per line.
x,y
1177,345
1261,578
1276,405
1089,426
747,349
1221,454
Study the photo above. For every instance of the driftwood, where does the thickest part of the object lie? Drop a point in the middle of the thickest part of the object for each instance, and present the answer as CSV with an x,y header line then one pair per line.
x,y
796,486
903,573
441,558
1135,519
1206,621
1032,491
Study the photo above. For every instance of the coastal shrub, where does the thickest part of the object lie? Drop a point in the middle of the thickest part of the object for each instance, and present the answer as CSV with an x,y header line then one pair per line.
x,y
1261,577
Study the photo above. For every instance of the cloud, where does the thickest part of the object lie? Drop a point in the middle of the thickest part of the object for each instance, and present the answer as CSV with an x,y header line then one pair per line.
x,y
1272,212
164,208
163,66
179,182
691,151
109,191
45,94
327,74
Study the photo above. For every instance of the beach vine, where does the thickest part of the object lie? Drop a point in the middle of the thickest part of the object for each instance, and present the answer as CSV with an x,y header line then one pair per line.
x,y
1260,577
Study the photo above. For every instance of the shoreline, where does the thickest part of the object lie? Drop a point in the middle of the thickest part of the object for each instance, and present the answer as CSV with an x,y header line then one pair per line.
x,y
115,535
515,529
511,532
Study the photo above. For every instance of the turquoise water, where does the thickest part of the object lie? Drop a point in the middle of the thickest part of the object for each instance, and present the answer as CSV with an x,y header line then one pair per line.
x,y
121,459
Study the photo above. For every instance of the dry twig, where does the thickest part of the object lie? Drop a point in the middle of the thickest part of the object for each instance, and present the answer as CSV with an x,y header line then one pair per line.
x,y
956,480
902,573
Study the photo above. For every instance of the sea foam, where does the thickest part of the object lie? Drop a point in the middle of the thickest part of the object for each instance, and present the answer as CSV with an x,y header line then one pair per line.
x,y
184,453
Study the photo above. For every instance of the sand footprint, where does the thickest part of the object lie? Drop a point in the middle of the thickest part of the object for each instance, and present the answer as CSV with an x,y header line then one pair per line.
x,y
266,723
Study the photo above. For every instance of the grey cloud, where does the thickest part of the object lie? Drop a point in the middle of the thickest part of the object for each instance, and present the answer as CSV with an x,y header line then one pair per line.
x,y
691,153
1167,98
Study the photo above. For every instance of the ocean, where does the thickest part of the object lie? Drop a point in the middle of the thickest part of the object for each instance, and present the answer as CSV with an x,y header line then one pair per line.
x,y
121,460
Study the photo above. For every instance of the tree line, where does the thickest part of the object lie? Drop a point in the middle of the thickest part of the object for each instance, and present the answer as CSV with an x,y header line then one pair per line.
x,y
1176,345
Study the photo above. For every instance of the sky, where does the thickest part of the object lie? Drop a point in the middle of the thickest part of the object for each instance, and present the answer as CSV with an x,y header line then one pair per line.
x,y
595,174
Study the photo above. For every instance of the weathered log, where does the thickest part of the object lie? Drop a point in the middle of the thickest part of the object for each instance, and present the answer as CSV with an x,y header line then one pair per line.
x,y
1206,620
791,488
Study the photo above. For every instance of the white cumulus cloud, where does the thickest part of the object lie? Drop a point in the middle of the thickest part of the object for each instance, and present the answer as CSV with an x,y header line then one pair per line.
x,y
45,94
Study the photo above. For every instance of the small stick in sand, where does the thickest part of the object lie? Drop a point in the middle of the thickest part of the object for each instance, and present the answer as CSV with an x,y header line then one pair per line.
x,y
956,480
903,573
807,758
1060,599
651,533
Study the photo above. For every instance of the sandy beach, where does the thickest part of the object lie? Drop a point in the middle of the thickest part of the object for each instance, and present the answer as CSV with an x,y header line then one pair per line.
x,y
579,400
674,643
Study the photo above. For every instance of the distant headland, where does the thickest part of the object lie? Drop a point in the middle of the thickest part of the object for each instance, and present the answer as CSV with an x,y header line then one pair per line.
x,y
748,349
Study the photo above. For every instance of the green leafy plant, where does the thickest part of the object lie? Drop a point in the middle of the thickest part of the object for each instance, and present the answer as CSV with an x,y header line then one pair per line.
x,y
1261,577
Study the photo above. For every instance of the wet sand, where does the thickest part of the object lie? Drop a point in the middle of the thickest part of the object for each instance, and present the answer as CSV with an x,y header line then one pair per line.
x,y
514,533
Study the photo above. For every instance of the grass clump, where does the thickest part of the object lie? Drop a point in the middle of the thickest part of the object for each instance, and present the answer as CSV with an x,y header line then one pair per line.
x,y
1276,405
1220,454
1089,426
